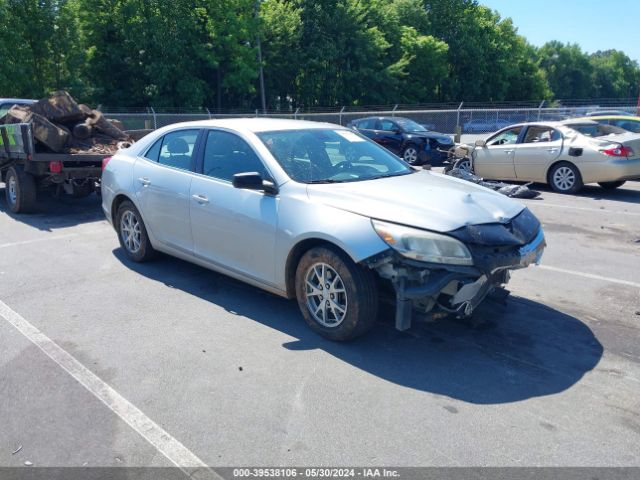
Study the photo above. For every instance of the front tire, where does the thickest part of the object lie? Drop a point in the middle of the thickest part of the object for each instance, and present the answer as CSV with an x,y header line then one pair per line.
x,y
20,190
464,164
338,299
565,178
611,185
132,233
410,155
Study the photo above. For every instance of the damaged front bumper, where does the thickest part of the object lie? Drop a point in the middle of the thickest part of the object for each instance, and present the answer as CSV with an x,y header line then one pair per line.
x,y
441,289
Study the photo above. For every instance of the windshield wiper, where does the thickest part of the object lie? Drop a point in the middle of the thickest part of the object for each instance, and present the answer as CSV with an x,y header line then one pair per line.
x,y
327,180
399,174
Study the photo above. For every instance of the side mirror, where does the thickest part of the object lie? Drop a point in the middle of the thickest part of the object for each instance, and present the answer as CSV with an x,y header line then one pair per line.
x,y
481,143
397,131
253,181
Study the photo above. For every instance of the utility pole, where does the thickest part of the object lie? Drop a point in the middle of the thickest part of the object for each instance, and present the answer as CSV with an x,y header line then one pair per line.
x,y
263,99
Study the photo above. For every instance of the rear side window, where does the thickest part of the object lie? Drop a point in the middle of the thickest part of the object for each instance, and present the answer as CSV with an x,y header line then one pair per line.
x,y
153,152
387,125
175,149
538,134
369,124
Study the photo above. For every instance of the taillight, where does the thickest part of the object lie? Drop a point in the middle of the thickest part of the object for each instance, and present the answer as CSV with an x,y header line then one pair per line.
x,y
105,160
55,166
618,151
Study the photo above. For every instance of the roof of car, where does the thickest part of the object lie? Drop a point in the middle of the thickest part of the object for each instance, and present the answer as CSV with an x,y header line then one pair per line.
x,y
611,117
258,124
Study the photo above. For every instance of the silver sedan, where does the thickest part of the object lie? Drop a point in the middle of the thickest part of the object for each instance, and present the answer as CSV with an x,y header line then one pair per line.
x,y
319,213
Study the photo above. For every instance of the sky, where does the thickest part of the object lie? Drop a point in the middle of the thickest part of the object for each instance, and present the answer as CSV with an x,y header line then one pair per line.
x,y
592,24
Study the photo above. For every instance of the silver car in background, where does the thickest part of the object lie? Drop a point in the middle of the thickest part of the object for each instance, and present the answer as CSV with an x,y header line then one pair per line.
x,y
319,213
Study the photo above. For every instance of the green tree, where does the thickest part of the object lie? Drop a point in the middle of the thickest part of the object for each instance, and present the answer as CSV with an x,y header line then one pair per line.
x,y
615,75
568,70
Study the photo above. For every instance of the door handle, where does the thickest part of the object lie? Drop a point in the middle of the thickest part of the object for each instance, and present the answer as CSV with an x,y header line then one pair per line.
x,y
144,181
507,152
201,199
552,150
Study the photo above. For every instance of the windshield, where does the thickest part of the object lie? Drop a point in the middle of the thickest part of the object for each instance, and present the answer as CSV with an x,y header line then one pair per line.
x,y
331,156
410,126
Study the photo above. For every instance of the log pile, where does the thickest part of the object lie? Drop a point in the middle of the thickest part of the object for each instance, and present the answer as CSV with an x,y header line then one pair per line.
x,y
61,125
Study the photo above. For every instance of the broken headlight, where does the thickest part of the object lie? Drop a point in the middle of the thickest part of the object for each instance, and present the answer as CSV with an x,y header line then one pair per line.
x,y
423,245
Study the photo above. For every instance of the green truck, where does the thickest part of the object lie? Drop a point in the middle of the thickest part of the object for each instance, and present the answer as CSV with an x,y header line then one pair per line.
x,y
25,172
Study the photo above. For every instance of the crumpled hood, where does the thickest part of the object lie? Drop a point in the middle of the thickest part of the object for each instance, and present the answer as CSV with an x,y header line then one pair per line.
x,y
426,200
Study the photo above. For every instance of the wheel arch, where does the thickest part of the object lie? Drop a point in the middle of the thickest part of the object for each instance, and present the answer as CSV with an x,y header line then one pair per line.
x,y
556,163
296,253
115,204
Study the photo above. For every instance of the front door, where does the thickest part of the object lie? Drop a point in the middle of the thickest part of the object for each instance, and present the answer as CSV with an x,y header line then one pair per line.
x,y
162,179
495,159
231,227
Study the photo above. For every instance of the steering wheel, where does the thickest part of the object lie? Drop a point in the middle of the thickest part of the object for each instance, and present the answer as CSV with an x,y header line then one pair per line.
x,y
343,165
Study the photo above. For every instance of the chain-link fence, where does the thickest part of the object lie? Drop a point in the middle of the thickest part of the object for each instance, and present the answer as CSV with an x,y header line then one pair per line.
x,y
461,119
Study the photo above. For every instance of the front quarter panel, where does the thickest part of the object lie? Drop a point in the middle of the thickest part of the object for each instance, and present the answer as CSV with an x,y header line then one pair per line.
x,y
300,220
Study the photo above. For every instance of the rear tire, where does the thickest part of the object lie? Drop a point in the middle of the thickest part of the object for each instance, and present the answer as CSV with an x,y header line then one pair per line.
x,y
21,190
565,177
338,299
611,185
132,233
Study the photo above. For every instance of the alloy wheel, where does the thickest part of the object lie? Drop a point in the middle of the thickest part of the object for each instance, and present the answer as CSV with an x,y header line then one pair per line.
x,y
465,166
410,155
326,295
131,231
564,178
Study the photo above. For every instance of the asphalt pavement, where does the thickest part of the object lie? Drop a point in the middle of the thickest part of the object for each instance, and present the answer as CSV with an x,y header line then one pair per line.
x,y
104,362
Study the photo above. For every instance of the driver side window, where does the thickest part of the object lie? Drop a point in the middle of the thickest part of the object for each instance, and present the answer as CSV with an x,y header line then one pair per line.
x,y
508,137
226,154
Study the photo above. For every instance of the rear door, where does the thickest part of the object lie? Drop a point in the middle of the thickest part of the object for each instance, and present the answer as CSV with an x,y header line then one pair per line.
x,y
495,160
538,148
162,179
367,127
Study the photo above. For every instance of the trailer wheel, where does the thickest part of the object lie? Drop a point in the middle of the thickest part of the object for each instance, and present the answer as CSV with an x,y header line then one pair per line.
x,y
20,189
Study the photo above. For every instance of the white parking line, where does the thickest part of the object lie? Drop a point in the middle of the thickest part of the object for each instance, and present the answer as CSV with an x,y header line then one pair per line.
x,y
162,441
590,275
36,240
586,209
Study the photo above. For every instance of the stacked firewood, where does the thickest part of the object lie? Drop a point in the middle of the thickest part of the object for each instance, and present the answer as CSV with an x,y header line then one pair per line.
x,y
61,125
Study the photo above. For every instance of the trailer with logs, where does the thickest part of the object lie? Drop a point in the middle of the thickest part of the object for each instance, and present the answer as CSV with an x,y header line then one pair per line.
x,y
55,143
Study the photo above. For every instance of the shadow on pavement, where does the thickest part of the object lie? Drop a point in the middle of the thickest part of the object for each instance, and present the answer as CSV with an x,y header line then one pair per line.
x,y
623,194
519,351
57,212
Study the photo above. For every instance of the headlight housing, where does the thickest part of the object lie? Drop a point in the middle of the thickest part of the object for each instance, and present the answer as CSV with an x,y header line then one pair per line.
x,y
423,245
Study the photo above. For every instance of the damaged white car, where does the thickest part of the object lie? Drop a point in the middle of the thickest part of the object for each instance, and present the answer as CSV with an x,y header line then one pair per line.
x,y
319,213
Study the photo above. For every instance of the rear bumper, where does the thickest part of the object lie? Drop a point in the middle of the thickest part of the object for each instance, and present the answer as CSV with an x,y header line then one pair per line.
x,y
611,170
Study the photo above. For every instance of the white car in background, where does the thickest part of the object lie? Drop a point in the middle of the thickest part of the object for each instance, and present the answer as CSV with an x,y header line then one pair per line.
x,y
566,155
